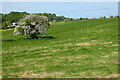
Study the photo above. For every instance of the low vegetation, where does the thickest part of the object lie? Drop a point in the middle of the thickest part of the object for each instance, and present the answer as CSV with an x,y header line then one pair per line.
x,y
75,49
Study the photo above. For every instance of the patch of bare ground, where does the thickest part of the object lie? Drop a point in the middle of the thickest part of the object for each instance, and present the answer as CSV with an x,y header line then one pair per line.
x,y
100,30
64,45
83,44
72,59
9,51
55,50
25,74
115,45
31,74
84,38
69,39
69,44
27,49
114,53
37,59
114,61
42,47
45,58
93,40
100,48
105,56
47,54
107,43
113,76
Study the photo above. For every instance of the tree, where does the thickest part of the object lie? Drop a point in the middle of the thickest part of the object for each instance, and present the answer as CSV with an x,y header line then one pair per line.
x,y
81,18
111,17
5,24
104,17
13,16
32,25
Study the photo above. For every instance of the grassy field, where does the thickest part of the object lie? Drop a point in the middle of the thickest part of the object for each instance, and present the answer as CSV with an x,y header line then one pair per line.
x,y
80,49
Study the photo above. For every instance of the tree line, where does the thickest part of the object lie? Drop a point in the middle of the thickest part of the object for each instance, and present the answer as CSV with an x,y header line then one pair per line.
x,y
8,19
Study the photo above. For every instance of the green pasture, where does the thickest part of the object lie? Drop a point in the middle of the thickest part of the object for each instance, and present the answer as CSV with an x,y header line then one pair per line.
x,y
74,49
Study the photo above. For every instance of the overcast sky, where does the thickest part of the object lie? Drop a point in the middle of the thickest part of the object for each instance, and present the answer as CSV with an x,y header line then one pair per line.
x,y
60,0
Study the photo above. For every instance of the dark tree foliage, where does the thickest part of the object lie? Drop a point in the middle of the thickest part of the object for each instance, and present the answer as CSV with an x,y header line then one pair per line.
x,y
8,19
53,17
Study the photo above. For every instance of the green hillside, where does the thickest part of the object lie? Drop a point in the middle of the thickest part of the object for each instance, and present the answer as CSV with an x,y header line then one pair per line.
x,y
76,49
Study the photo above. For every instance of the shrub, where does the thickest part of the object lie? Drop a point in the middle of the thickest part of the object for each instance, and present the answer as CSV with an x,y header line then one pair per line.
x,y
111,17
32,25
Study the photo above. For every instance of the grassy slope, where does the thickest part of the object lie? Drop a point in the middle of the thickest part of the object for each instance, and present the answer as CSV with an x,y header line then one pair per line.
x,y
78,50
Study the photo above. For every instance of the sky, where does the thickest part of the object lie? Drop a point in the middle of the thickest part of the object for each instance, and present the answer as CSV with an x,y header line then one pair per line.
x,y
59,0
67,8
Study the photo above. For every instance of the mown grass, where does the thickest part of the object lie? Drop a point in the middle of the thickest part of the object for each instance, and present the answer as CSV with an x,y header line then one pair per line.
x,y
80,49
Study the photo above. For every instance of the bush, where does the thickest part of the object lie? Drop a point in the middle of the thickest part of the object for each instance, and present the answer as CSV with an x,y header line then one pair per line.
x,y
111,17
32,25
